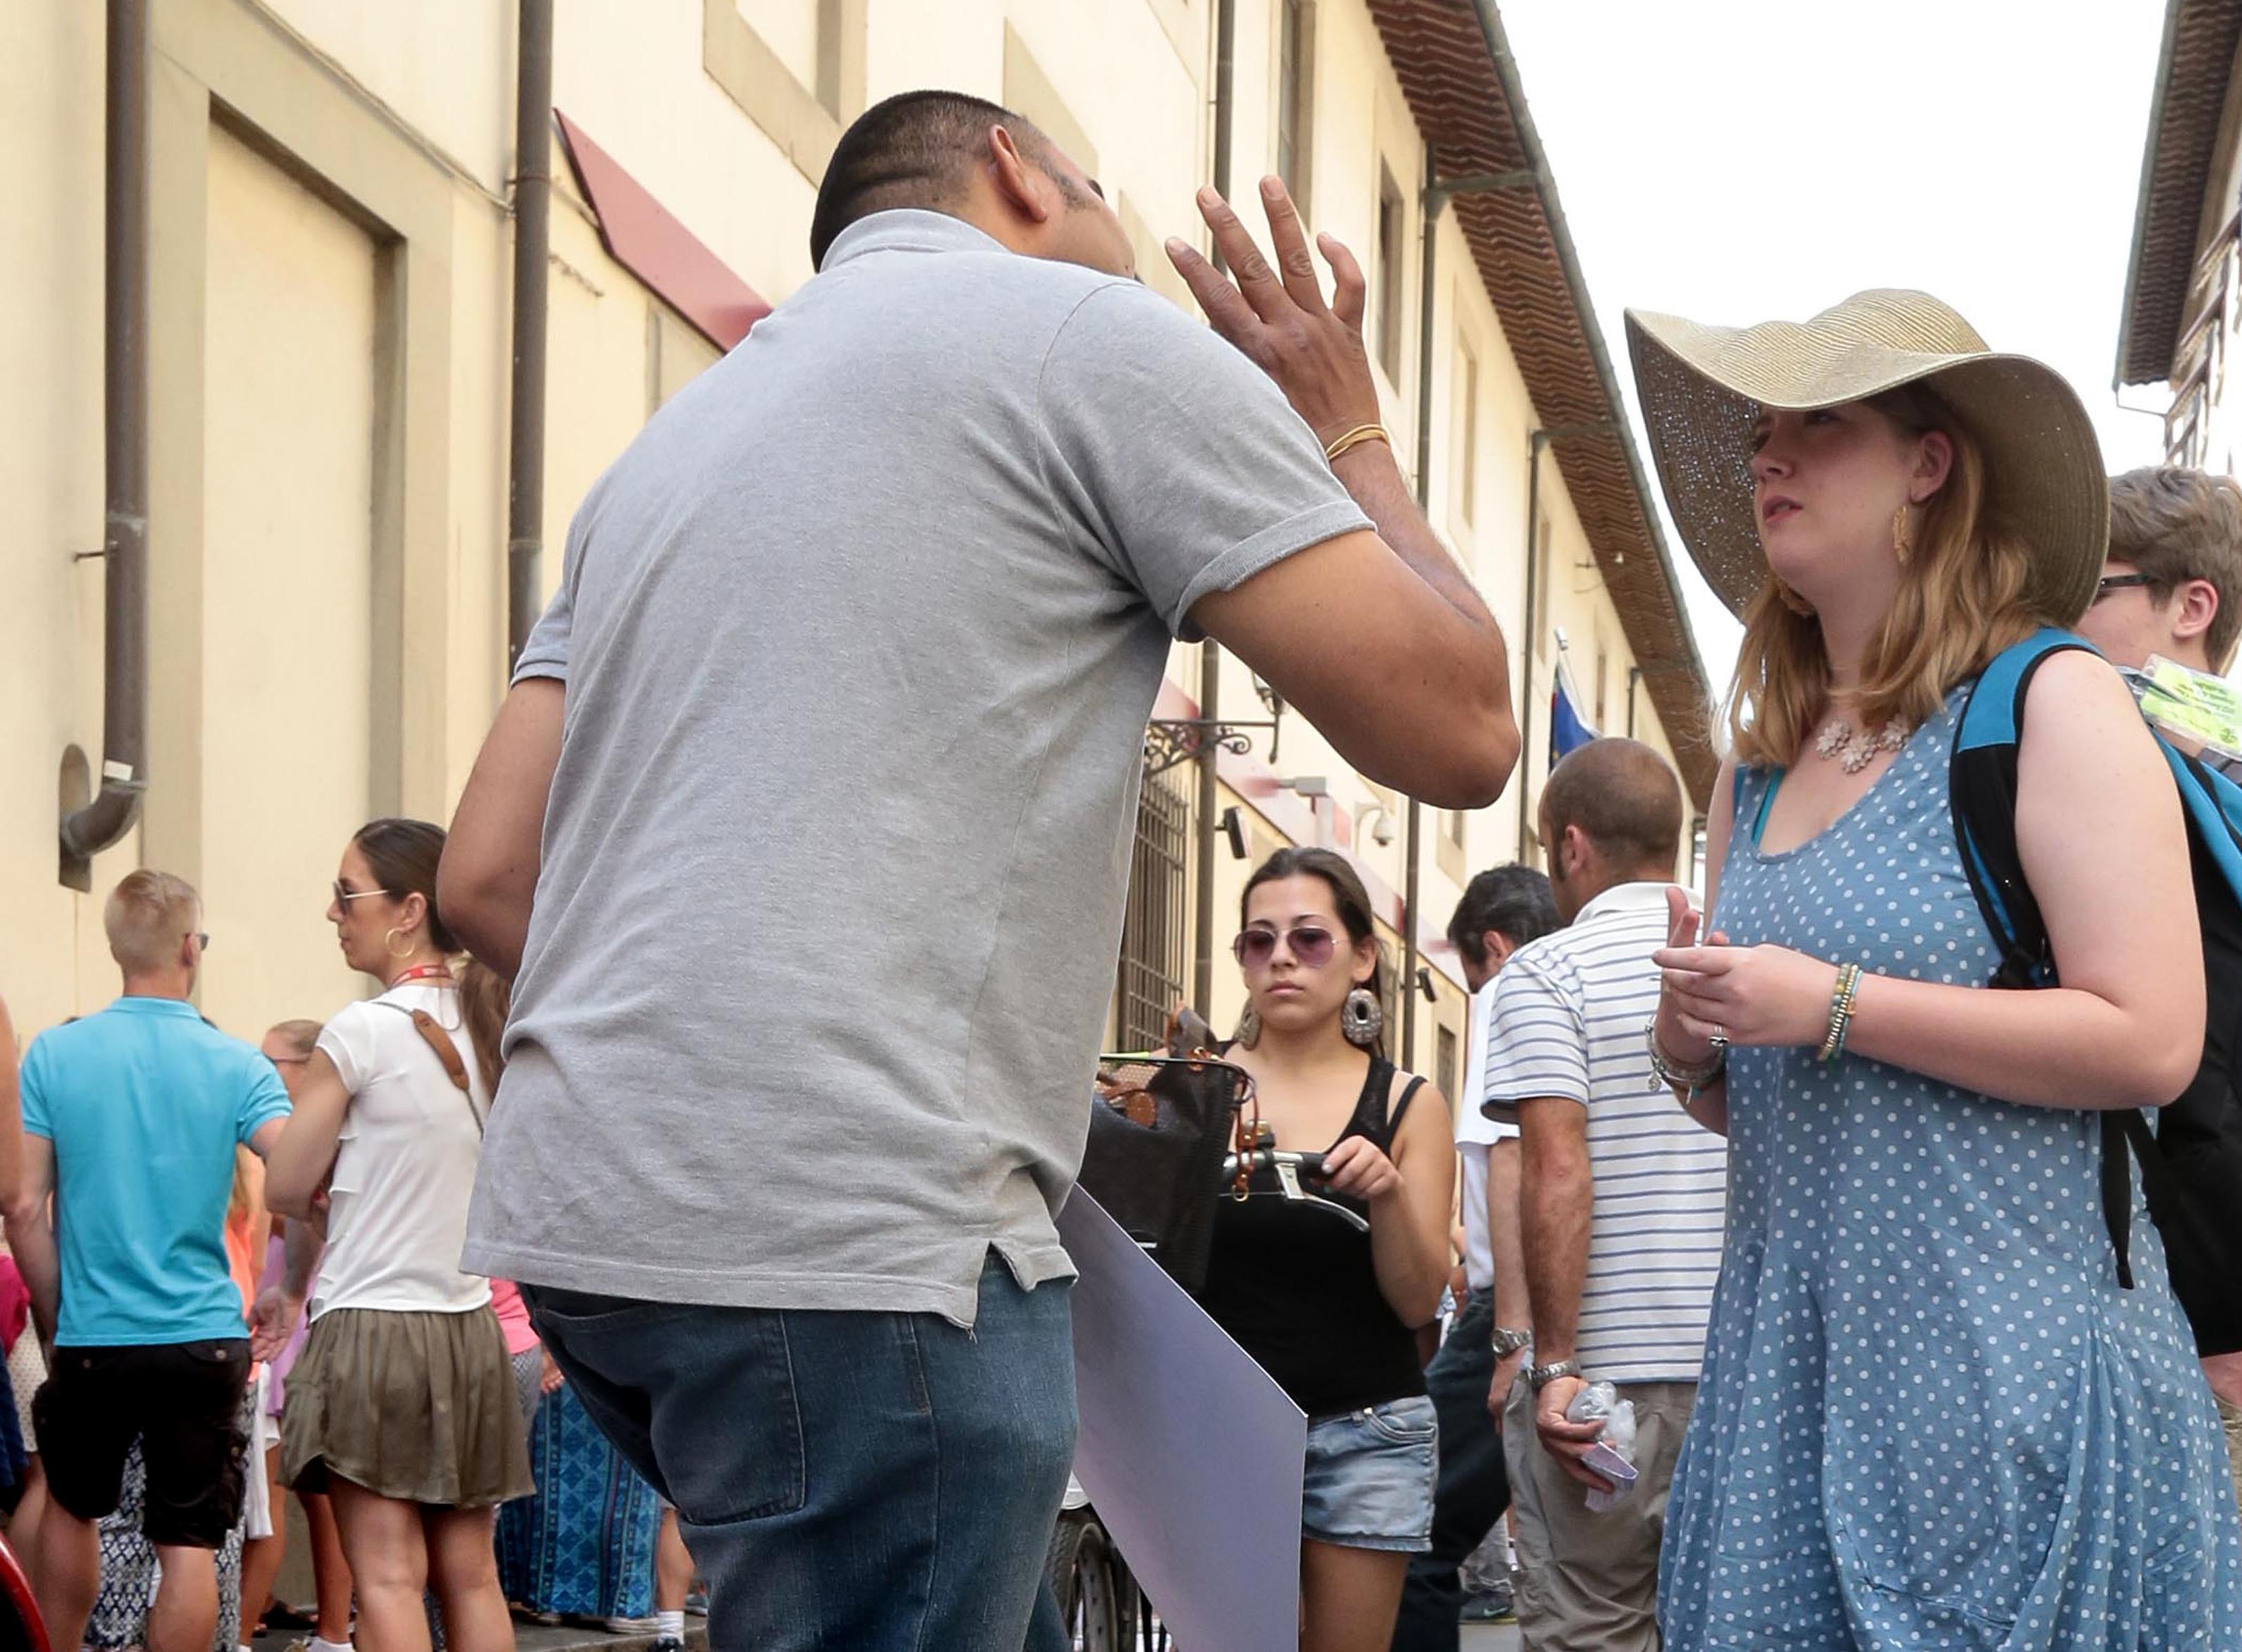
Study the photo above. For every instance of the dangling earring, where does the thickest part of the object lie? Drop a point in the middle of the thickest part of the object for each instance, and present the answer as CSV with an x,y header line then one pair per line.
x,y
389,945
1249,1028
1361,1018
1904,533
1793,601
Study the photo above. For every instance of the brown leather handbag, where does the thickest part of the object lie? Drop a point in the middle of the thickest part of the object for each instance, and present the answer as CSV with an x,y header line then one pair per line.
x,y
1160,1127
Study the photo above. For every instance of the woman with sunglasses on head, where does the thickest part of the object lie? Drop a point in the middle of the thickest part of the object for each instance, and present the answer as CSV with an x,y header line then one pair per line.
x,y
1329,1310
1936,1409
402,1406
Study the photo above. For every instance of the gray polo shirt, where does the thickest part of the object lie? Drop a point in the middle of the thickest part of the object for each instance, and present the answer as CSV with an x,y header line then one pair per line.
x,y
860,636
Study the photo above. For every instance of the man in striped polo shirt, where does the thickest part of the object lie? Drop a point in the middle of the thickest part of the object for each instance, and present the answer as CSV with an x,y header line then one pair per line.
x,y
1621,1206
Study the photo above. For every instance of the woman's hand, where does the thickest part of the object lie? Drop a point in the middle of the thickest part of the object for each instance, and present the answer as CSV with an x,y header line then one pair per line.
x,y
1761,995
550,1377
1356,1167
1682,1044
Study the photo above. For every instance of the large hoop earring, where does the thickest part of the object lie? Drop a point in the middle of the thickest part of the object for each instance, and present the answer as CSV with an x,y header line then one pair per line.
x,y
389,944
1361,1018
1793,601
1249,1028
1904,533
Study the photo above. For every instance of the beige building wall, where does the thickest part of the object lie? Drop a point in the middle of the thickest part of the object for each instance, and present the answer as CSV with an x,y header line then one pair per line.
x,y
330,334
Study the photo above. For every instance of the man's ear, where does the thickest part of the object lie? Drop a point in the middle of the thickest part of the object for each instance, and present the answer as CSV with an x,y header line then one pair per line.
x,y
1498,948
2195,606
1020,181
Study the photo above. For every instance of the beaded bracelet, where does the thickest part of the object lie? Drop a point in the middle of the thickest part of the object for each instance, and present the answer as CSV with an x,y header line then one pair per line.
x,y
1840,1012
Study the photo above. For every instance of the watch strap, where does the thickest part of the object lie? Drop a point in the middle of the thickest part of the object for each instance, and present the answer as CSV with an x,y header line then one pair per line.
x,y
1539,1377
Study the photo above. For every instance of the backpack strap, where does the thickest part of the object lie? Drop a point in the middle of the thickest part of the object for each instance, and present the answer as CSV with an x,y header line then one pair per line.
x,y
1982,792
1982,788
432,1035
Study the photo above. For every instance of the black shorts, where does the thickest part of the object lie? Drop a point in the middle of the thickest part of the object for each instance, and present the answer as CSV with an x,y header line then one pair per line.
x,y
182,1401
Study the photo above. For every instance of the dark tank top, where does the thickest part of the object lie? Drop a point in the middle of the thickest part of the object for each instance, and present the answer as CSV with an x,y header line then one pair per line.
x,y
1296,1287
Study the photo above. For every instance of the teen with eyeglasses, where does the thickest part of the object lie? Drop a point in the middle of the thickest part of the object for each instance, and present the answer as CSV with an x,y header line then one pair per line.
x,y
1329,1309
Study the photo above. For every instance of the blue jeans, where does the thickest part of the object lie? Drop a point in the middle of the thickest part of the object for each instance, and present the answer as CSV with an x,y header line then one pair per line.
x,y
877,1482
1474,1488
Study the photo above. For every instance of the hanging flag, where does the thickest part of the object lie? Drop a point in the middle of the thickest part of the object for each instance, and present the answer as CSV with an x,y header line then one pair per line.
x,y
1568,730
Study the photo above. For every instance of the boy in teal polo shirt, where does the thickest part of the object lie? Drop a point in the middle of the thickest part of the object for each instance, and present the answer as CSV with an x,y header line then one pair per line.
x,y
131,1119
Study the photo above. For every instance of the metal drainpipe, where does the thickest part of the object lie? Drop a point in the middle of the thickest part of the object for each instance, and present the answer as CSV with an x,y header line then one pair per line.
x,y
533,204
99,824
1412,817
1210,652
1536,440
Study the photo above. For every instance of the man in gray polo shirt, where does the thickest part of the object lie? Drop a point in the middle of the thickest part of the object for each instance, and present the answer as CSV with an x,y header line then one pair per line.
x,y
858,641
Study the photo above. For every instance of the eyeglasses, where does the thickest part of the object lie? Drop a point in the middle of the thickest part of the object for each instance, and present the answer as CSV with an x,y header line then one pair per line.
x,y
1311,947
2111,582
344,894
202,940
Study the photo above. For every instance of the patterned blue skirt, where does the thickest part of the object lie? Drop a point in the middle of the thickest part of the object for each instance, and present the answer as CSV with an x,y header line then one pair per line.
x,y
583,1545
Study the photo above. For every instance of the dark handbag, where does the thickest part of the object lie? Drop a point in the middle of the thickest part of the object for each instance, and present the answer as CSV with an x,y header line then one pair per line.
x,y
1160,1127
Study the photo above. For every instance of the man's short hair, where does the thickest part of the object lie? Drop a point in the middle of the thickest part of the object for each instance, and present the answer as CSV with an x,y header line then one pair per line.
x,y
1623,797
146,917
1513,902
915,149
2176,525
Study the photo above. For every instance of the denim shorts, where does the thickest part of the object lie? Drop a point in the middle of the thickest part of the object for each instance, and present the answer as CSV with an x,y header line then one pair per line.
x,y
1370,1477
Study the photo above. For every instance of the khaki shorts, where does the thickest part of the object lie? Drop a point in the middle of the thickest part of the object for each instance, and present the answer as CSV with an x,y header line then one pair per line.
x,y
1588,1583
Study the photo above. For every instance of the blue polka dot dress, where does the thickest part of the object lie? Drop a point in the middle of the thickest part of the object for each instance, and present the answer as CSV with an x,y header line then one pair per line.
x,y
1929,1416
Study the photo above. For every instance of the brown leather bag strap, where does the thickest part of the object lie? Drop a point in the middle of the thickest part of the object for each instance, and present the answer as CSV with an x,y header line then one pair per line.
x,y
433,1033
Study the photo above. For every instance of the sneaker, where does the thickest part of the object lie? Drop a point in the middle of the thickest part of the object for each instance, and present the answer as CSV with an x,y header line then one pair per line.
x,y
1492,1605
665,1644
696,1600
633,1625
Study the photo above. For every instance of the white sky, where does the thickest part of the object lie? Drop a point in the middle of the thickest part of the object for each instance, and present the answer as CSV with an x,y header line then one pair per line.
x,y
1734,161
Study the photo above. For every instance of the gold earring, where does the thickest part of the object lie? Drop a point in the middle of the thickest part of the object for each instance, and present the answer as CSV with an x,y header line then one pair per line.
x,y
1904,533
1793,601
389,945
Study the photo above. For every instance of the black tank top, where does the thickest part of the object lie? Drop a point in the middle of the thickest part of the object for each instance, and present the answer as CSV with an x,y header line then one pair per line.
x,y
1296,1288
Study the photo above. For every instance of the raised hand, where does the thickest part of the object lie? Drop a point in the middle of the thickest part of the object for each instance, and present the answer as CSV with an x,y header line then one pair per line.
x,y
1277,316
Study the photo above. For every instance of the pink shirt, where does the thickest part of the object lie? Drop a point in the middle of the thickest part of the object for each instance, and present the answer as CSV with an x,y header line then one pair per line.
x,y
512,1317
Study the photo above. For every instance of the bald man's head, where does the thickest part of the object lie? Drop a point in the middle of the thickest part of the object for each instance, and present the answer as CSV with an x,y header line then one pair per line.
x,y
1625,803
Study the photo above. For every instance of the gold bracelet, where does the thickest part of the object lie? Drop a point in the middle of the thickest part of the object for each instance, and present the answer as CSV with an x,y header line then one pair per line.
x,y
1356,438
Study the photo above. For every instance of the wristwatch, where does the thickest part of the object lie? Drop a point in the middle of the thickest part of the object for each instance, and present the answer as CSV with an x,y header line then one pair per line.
x,y
1507,1341
1539,1377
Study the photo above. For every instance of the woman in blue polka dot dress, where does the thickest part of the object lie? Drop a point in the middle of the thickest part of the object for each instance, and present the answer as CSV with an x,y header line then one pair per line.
x,y
1930,1417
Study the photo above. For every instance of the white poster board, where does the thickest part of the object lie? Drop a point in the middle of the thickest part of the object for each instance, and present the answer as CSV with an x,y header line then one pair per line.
x,y
1190,1452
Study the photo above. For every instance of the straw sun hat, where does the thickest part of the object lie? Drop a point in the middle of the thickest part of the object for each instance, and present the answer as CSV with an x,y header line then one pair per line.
x,y
1701,387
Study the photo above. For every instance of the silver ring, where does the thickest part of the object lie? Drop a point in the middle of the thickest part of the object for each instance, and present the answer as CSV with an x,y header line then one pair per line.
x,y
1719,1040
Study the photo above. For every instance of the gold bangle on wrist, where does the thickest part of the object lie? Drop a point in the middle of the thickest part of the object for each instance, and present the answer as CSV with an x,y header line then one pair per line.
x,y
1356,438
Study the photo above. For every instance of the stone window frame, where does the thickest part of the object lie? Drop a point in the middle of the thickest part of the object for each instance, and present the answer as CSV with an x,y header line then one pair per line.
x,y
805,122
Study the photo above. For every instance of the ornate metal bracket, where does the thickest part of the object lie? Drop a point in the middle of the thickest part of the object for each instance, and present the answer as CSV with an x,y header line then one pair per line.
x,y
1170,741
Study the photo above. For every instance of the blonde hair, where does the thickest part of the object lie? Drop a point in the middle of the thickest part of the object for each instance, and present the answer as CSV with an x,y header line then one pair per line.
x,y
1962,597
301,1036
146,917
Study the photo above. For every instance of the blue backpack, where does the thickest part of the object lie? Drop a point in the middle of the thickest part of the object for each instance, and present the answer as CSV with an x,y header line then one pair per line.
x,y
2192,1164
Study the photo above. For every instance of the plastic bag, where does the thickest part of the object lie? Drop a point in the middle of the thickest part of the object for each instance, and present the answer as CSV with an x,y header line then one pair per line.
x,y
1613,1454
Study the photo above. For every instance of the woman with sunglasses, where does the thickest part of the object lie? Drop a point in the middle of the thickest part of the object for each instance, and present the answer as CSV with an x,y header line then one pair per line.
x,y
402,1406
1328,1308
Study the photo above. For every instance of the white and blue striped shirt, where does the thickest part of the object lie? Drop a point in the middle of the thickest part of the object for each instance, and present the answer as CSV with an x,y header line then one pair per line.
x,y
1567,1022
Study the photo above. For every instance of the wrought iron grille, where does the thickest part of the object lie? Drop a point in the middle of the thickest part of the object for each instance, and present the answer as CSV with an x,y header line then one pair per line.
x,y
1156,926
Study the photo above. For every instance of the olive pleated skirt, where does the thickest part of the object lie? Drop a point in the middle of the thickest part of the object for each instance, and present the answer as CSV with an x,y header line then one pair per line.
x,y
418,1406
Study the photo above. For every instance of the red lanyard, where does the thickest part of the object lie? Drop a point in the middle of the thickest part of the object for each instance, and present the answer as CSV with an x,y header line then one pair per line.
x,y
422,973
